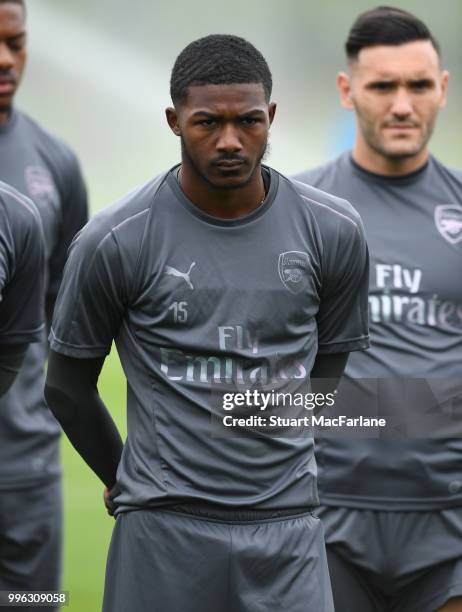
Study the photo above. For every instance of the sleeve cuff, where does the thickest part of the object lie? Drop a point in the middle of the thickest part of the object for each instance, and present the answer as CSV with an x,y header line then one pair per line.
x,y
344,346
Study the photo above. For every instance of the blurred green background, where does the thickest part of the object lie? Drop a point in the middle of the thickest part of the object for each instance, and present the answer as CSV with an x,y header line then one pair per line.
x,y
98,76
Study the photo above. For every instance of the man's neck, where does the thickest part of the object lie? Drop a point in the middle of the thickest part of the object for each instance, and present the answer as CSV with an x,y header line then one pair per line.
x,y
222,203
372,161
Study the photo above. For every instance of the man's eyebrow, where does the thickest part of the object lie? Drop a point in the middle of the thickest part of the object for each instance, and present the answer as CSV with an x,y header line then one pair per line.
x,y
421,81
392,80
251,113
204,113
210,115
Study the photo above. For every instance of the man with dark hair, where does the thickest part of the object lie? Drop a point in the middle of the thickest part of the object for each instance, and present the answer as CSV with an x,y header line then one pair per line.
x,y
42,167
205,281
392,508
21,281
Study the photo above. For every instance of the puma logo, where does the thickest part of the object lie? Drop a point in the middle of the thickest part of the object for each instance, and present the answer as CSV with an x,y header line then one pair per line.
x,y
184,275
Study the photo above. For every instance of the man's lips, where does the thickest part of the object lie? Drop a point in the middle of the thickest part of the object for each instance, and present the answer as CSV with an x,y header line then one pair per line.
x,y
229,163
7,85
401,126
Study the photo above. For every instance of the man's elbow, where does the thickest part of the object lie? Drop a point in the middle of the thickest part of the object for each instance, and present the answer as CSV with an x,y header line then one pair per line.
x,y
59,404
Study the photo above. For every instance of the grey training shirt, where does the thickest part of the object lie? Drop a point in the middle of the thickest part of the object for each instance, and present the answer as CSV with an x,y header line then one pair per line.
x,y
193,300
413,227
43,168
21,269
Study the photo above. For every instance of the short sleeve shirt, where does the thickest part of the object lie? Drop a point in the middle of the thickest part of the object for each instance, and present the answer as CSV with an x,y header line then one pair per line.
x,y
194,301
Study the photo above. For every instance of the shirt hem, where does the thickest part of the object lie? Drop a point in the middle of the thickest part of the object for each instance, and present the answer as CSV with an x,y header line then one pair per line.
x,y
356,344
384,503
72,350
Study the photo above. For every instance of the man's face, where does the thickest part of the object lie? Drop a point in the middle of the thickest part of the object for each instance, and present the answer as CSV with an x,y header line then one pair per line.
x,y
396,92
224,131
12,51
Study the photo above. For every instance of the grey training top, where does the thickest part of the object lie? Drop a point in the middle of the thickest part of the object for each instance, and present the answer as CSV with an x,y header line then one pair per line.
x,y
193,300
21,269
413,227
42,167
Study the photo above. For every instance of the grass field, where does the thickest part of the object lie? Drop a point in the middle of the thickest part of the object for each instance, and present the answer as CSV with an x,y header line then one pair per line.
x,y
87,526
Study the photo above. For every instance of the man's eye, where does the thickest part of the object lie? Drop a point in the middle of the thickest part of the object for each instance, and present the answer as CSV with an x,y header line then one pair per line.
x,y
420,85
207,122
383,86
16,46
249,120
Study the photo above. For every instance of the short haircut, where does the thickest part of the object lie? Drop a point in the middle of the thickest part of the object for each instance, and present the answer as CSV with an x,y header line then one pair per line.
x,y
218,59
386,25
20,2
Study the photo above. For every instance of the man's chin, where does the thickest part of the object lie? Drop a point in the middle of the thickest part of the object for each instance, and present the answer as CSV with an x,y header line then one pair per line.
x,y
403,150
230,180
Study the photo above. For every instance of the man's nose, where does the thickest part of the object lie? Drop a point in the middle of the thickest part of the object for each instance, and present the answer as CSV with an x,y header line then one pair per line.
x,y
402,103
229,141
6,57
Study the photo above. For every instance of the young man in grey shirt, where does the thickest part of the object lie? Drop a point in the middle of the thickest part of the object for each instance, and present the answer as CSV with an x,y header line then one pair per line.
x,y
43,168
218,271
392,508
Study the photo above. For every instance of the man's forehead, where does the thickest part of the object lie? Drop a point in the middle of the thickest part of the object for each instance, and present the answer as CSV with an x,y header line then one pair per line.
x,y
218,96
388,60
12,18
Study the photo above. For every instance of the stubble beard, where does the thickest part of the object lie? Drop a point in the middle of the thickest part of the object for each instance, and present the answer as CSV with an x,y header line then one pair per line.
x,y
379,145
185,156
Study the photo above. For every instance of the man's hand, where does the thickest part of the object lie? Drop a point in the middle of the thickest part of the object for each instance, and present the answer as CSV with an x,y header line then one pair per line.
x,y
110,506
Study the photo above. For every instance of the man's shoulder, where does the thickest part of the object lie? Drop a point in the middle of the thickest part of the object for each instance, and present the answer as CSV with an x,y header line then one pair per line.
x,y
17,207
325,206
453,175
20,223
49,144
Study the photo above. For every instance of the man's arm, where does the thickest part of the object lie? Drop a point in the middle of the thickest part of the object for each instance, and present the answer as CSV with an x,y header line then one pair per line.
x,y
72,396
22,272
11,358
74,217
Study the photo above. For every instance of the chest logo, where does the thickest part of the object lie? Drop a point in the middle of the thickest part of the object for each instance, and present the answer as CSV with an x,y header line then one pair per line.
x,y
448,221
40,185
186,276
294,269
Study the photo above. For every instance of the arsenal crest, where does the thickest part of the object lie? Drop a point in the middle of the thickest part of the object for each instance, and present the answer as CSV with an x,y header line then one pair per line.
x,y
293,270
448,221
40,185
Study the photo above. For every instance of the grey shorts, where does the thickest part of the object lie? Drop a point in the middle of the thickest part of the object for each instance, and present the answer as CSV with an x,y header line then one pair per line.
x,y
31,540
165,561
393,561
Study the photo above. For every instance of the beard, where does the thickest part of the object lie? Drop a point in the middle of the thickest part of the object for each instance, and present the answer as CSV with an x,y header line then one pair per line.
x,y
387,148
189,159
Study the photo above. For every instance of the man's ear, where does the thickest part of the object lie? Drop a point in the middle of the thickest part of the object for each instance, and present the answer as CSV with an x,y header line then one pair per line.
x,y
272,111
172,120
444,87
344,89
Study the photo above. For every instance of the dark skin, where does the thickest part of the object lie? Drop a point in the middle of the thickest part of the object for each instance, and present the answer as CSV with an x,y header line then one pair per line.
x,y
12,55
224,132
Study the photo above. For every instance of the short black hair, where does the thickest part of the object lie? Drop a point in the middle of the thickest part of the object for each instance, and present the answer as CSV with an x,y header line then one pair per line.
x,y
20,2
218,59
386,25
